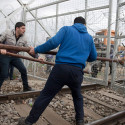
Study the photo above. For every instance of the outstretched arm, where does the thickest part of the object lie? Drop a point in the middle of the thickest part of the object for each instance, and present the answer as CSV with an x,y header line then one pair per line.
x,y
51,43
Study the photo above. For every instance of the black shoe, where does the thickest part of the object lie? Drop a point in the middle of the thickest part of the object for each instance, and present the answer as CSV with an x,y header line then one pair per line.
x,y
27,89
80,122
22,121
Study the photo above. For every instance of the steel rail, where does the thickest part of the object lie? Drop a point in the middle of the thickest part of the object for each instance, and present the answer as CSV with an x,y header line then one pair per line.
x,y
32,94
69,13
46,5
109,119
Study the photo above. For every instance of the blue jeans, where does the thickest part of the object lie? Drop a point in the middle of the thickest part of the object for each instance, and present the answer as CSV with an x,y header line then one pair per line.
x,y
5,62
61,74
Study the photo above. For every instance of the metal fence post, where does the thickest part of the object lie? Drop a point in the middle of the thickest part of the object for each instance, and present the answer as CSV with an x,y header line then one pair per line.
x,y
86,9
57,11
115,46
35,38
108,42
24,21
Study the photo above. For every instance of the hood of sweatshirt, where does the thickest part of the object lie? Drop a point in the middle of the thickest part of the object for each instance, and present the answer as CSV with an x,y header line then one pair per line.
x,y
80,27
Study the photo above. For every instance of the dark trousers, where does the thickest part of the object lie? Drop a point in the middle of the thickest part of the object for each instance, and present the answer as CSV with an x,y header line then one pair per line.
x,y
61,74
5,62
11,69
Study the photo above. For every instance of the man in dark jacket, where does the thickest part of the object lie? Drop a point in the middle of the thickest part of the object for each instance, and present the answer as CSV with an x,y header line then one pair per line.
x,y
76,47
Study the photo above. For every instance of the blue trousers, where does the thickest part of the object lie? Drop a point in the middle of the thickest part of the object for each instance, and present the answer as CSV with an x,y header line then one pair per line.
x,y
5,62
61,74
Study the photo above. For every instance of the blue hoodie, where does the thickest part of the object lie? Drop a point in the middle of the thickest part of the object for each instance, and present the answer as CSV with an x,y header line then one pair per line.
x,y
76,46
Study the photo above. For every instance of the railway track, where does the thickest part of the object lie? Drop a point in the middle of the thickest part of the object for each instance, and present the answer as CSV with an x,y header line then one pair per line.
x,y
32,94
97,107
115,119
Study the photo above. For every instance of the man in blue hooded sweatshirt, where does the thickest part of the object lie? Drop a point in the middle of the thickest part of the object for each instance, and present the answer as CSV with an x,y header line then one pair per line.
x,y
76,47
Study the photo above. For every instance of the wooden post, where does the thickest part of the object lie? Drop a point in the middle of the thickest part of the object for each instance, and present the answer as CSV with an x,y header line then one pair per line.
x,y
27,49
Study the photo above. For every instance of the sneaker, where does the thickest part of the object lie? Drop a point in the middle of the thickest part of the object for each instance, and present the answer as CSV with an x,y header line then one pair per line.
x,y
27,89
22,121
80,122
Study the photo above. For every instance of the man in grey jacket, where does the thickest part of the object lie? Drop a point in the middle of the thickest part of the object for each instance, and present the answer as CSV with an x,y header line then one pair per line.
x,y
13,37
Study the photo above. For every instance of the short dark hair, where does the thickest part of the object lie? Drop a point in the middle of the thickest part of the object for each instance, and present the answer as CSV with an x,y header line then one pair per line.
x,y
79,20
19,24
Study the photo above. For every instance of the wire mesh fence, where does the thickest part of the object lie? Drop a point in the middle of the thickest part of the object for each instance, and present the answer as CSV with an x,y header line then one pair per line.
x,y
118,81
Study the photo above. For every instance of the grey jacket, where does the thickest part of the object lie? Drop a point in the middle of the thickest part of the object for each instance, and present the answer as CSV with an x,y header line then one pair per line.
x,y
8,37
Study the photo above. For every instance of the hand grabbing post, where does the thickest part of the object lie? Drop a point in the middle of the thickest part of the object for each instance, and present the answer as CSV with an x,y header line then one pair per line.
x,y
41,60
32,51
122,60
3,51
